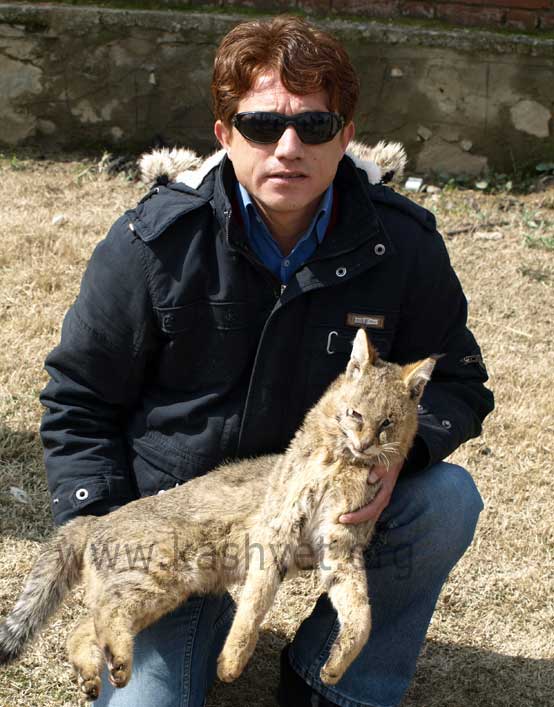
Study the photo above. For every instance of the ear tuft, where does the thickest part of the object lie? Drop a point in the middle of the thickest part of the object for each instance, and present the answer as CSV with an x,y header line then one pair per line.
x,y
417,375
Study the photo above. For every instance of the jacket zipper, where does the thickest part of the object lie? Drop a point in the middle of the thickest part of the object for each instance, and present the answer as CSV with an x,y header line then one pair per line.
x,y
277,287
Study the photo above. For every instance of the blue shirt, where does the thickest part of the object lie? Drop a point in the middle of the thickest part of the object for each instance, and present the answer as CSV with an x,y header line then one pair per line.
x,y
265,247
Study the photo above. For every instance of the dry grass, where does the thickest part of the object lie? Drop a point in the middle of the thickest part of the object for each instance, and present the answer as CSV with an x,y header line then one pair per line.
x,y
491,643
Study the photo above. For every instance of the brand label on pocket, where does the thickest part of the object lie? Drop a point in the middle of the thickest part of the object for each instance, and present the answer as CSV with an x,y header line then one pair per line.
x,y
368,321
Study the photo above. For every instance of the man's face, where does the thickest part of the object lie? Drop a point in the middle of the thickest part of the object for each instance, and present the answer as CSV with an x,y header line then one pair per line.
x,y
286,177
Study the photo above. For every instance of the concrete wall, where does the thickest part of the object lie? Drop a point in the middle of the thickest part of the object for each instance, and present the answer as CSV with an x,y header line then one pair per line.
x,y
459,100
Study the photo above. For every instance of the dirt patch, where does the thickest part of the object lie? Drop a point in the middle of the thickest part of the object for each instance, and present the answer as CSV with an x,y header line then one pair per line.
x,y
490,643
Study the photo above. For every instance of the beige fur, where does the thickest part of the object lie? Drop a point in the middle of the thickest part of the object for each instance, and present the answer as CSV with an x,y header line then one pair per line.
x,y
194,539
184,165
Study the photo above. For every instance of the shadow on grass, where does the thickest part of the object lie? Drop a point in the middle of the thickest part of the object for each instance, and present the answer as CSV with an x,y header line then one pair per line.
x,y
451,675
257,686
448,675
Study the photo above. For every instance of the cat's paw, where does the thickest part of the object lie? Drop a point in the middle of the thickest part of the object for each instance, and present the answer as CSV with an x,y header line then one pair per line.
x,y
89,685
331,673
119,674
228,668
119,670
234,656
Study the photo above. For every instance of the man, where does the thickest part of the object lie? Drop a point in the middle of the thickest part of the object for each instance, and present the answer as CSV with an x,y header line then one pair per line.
x,y
210,320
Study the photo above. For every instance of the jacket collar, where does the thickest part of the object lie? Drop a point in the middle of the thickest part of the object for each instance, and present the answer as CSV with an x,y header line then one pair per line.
x,y
151,218
357,221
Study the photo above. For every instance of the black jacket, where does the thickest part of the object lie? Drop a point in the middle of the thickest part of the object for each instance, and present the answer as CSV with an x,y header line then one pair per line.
x,y
181,350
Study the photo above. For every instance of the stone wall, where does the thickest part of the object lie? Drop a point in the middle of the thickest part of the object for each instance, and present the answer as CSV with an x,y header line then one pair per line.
x,y
513,14
526,15
461,101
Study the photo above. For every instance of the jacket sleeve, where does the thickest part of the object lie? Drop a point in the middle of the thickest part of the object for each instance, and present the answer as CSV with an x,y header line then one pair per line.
x,y
96,374
433,321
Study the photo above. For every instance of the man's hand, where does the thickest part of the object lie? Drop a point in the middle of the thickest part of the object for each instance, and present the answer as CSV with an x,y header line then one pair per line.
x,y
374,509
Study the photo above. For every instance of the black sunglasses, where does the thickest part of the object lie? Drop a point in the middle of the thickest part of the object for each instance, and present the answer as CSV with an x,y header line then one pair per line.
x,y
313,127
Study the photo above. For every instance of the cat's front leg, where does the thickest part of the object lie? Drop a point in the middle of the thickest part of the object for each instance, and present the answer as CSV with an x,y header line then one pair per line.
x,y
235,654
262,581
344,578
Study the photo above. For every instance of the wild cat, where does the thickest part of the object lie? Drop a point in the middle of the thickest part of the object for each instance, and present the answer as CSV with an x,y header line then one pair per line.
x,y
197,536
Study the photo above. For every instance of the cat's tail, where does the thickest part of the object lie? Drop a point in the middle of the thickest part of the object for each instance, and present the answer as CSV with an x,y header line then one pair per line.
x,y
54,573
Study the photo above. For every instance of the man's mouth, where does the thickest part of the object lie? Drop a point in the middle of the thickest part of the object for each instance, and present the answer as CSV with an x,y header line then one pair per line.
x,y
287,175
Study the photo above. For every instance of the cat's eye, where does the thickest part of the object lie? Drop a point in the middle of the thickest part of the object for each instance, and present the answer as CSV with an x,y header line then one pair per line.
x,y
386,423
354,415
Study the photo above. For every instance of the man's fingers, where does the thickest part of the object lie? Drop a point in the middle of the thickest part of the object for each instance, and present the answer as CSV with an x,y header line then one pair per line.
x,y
369,512
373,477
388,477
376,473
380,472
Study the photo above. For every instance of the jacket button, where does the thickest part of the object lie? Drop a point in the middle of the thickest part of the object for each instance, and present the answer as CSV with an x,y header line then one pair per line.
x,y
446,424
379,249
168,319
340,272
81,494
420,408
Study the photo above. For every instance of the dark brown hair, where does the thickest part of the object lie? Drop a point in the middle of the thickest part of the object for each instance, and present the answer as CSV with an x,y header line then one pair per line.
x,y
307,59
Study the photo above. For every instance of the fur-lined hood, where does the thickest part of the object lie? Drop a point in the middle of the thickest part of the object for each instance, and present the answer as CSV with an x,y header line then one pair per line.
x,y
381,163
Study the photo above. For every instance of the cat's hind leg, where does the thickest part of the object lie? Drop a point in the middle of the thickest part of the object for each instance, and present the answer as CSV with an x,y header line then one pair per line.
x,y
86,657
118,620
116,636
346,583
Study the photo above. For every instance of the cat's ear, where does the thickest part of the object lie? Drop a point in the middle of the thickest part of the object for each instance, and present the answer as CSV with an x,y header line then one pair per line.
x,y
362,354
417,375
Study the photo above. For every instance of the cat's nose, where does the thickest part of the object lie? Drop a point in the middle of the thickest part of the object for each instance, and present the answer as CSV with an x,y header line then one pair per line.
x,y
365,444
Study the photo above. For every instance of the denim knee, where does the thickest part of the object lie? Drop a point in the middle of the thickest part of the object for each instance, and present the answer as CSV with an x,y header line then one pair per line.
x,y
434,513
456,507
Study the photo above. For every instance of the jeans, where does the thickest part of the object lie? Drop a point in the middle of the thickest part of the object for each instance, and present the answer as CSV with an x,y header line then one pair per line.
x,y
420,536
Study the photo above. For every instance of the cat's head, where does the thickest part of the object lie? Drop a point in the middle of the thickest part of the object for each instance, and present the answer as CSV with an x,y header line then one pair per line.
x,y
373,405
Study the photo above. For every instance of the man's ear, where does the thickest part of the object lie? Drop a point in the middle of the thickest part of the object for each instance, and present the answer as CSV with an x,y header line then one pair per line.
x,y
347,134
223,134
362,354
417,375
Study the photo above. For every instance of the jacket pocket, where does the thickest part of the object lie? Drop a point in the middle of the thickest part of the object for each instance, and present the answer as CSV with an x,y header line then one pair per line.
x,y
332,331
207,343
329,337
223,316
159,465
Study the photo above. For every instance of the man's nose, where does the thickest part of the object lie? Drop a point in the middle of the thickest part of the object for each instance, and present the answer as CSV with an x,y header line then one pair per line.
x,y
289,146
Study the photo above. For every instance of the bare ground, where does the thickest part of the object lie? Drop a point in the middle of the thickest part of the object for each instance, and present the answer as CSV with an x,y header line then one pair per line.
x,y
491,640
